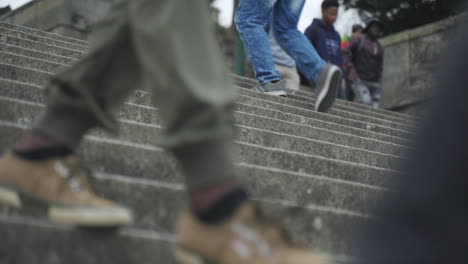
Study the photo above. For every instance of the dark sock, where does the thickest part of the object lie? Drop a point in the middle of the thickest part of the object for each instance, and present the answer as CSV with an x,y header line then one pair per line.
x,y
43,153
223,208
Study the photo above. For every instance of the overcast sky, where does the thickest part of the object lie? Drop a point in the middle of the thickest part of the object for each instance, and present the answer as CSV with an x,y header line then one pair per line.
x,y
13,3
311,11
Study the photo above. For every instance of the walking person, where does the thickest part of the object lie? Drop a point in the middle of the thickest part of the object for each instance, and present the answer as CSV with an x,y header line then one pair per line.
x,y
325,39
285,65
251,18
355,36
145,44
364,57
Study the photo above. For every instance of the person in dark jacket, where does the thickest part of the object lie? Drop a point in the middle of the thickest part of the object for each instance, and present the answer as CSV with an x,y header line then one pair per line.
x,y
364,63
323,36
355,35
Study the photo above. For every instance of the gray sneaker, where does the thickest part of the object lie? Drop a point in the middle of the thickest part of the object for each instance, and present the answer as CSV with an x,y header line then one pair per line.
x,y
278,88
328,84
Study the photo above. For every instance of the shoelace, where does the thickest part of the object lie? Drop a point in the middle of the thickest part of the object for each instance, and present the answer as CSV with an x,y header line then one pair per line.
x,y
75,176
264,222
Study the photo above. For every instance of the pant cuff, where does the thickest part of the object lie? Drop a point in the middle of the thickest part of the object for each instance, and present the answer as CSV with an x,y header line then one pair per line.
x,y
65,126
206,164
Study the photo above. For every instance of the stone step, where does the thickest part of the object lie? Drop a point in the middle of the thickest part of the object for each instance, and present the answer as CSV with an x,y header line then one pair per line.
x,y
252,129
368,116
256,117
306,96
141,132
22,236
43,39
340,105
33,241
41,33
61,60
114,156
39,77
339,110
343,126
157,205
42,47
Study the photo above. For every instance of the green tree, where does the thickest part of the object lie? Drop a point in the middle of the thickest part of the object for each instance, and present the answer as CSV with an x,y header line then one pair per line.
x,y
399,15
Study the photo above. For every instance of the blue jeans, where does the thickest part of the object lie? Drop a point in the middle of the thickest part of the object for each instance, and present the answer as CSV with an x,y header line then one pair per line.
x,y
368,93
251,18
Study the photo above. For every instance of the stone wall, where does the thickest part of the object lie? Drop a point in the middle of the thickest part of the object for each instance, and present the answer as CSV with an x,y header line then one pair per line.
x,y
67,17
410,60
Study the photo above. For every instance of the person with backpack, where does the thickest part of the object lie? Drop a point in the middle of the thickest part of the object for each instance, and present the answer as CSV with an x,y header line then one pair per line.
x,y
364,63
323,36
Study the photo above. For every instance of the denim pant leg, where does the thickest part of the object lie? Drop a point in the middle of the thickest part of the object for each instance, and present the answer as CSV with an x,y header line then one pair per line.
x,y
251,18
362,93
375,89
286,15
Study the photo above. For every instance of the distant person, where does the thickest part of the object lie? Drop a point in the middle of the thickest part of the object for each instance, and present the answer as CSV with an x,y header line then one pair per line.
x,y
251,18
364,58
285,65
325,39
355,35
356,31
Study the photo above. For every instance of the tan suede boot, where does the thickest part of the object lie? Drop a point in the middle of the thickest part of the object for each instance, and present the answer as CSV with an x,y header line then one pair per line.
x,y
59,189
246,238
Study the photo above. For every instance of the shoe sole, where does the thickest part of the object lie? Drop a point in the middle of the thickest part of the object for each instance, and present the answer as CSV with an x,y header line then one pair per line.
x,y
277,93
73,215
186,256
327,96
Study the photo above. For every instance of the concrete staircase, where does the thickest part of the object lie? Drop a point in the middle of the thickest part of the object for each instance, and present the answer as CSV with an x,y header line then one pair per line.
x,y
322,173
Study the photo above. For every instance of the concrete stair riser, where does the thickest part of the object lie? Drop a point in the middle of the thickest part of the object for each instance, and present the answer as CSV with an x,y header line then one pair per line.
x,y
158,208
42,47
327,126
25,93
340,104
43,39
145,161
321,173
8,71
41,33
306,95
257,117
366,116
76,246
389,130
36,54
337,109
139,131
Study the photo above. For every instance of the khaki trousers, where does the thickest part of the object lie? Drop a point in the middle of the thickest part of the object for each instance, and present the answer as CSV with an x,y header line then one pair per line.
x,y
166,47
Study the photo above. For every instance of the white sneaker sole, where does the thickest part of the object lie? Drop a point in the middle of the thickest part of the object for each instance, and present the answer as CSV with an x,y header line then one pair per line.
x,y
277,93
328,90
85,216
91,217
184,256
9,197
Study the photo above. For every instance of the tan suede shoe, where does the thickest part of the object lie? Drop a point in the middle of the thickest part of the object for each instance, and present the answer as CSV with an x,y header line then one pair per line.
x,y
246,238
58,188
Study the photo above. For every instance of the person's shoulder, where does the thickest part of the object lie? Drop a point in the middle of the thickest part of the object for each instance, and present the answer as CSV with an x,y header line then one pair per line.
x,y
336,33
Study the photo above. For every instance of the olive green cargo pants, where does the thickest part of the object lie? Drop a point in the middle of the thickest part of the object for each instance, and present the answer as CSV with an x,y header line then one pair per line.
x,y
166,47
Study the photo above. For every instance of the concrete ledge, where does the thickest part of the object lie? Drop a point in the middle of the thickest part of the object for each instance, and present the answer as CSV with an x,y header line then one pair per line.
x,y
422,31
